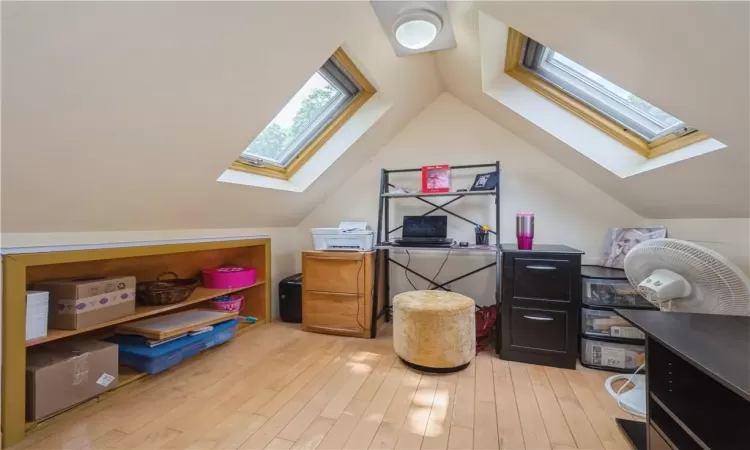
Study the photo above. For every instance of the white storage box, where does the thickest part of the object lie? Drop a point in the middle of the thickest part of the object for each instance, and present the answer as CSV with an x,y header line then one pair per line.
x,y
349,236
37,313
607,323
612,354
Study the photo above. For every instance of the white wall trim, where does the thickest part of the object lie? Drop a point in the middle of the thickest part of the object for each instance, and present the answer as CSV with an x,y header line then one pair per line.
x,y
62,248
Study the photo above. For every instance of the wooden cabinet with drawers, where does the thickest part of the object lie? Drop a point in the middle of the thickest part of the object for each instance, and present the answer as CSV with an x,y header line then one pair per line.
x,y
337,292
541,299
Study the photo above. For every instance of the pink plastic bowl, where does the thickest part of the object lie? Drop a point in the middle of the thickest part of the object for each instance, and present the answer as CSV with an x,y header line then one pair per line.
x,y
229,277
233,304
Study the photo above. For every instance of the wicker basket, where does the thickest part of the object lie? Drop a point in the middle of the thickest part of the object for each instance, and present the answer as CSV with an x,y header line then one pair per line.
x,y
164,292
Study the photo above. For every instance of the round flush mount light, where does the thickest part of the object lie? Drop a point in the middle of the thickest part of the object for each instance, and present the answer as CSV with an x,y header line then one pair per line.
x,y
417,29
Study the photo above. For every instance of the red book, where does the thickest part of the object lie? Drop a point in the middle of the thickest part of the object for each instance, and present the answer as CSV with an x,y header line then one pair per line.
x,y
436,178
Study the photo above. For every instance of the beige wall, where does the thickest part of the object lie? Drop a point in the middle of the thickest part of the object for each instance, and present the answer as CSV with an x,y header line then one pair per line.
x,y
568,209
728,237
122,115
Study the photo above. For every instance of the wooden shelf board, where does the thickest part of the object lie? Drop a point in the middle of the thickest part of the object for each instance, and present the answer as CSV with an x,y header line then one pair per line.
x,y
128,375
45,420
244,327
200,294
435,194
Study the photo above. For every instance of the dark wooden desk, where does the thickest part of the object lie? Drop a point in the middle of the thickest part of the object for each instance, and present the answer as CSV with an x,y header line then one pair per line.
x,y
697,381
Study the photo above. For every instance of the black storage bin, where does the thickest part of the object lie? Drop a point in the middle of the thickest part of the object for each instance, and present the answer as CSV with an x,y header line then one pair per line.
x,y
290,298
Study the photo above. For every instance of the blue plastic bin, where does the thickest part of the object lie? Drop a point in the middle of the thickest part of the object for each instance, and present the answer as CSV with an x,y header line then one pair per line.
x,y
134,353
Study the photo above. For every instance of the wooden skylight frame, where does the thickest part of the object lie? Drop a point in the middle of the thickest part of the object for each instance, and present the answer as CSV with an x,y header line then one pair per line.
x,y
285,173
515,69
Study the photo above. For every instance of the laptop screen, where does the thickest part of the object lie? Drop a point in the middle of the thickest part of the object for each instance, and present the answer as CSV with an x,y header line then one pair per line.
x,y
425,226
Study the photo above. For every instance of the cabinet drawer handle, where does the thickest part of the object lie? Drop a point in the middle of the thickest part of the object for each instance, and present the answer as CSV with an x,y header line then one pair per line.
x,y
541,267
355,259
340,294
544,318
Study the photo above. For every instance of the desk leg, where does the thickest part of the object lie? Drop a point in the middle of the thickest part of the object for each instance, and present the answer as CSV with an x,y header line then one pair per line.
x,y
387,293
376,294
635,432
498,295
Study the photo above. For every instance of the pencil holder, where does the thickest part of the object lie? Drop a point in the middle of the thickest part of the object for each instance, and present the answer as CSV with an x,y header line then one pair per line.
x,y
483,238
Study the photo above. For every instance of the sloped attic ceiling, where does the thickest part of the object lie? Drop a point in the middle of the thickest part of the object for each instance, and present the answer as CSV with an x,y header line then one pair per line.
x,y
689,58
122,115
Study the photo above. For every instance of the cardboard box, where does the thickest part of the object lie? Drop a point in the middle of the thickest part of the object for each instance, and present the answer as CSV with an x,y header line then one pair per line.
x,y
62,374
37,309
82,303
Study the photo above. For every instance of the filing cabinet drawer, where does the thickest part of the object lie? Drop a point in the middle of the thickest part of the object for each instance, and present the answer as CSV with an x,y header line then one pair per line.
x,y
334,272
547,279
329,312
541,330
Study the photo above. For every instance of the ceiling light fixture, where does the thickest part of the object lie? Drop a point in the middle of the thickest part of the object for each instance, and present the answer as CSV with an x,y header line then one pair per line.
x,y
417,29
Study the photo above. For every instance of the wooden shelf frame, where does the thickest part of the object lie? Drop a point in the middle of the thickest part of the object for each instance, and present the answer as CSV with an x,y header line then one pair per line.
x,y
145,263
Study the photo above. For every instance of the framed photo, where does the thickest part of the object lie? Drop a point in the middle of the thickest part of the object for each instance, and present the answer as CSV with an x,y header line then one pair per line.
x,y
619,241
436,178
485,182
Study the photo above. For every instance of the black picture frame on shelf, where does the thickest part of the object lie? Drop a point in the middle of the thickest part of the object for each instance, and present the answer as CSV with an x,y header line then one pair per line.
x,y
484,182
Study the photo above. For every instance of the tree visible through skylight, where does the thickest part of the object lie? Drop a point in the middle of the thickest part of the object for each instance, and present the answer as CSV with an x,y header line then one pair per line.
x,y
306,123
291,123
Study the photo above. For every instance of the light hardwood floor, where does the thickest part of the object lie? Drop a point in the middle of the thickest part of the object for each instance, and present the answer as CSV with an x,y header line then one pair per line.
x,y
278,387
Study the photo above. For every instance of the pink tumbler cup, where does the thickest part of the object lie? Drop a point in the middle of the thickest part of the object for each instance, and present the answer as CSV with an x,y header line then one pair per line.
x,y
525,230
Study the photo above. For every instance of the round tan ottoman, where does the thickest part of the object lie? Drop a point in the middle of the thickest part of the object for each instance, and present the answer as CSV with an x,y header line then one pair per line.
x,y
434,331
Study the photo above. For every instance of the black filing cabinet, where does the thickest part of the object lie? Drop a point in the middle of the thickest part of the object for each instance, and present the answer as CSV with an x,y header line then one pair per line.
x,y
540,305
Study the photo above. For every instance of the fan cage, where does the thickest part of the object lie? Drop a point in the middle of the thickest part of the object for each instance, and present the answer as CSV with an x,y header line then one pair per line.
x,y
718,286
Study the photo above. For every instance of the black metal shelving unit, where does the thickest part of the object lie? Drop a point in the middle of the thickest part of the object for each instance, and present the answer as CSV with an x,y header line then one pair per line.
x,y
383,233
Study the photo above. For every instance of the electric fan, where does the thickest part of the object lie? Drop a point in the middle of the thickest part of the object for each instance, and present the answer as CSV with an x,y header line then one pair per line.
x,y
679,276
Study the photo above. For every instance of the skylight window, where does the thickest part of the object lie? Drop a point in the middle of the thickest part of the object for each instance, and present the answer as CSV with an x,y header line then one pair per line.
x,y
619,113
308,120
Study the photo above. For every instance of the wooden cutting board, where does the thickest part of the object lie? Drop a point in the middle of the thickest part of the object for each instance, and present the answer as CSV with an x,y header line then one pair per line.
x,y
170,325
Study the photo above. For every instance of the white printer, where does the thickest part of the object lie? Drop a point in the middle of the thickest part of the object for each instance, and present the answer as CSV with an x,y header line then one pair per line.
x,y
349,236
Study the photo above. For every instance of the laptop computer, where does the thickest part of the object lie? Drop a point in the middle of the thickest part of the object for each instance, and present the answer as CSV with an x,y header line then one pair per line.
x,y
424,231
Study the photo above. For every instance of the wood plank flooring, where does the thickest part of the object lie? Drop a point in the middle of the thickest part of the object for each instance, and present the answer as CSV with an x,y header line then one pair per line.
x,y
277,387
